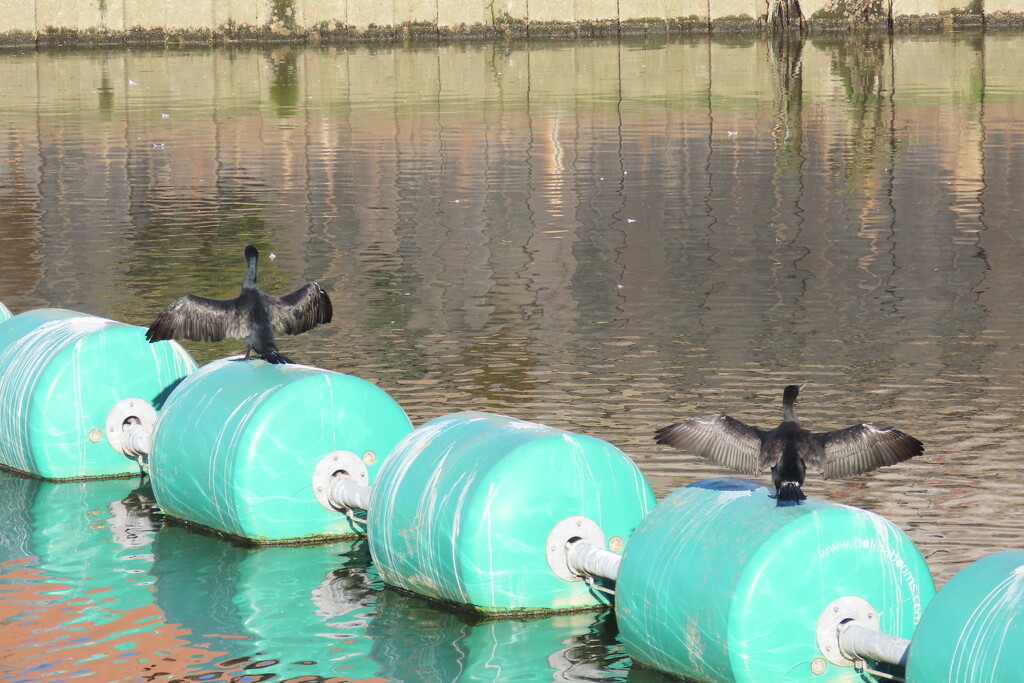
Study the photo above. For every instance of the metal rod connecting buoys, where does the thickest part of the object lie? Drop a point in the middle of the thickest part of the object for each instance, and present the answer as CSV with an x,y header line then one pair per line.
x,y
348,494
464,508
719,583
974,628
238,442
860,643
129,428
576,551
586,560
61,372
847,635
340,482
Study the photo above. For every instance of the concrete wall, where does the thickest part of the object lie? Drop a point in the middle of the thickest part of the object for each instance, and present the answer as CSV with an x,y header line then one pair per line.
x,y
98,20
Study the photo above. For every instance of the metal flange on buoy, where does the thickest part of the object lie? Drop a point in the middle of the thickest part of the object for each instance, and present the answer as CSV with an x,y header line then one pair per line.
x,y
61,374
250,449
480,511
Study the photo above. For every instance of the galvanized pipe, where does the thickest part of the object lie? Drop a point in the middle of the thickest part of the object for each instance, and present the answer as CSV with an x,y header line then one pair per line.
x,y
136,440
858,642
586,559
346,492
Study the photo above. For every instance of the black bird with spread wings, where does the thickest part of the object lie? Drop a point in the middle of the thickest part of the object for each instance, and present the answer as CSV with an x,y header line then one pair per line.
x,y
789,449
252,316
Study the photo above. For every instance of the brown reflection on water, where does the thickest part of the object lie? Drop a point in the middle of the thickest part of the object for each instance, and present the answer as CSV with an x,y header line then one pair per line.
x,y
599,236
35,610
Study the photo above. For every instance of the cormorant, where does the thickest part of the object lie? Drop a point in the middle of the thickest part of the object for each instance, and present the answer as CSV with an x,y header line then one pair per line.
x,y
252,315
789,449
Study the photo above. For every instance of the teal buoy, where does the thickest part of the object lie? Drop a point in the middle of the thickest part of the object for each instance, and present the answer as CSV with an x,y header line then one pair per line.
x,y
974,628
61,373
238,442
718,583
476,510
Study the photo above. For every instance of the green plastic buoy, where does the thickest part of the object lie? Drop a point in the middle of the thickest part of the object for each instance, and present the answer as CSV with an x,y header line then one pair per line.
x,y
61,374
974,628
237,445
475,509
718,583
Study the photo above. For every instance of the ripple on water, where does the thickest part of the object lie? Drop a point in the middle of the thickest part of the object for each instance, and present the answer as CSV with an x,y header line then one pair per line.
x,y
601,237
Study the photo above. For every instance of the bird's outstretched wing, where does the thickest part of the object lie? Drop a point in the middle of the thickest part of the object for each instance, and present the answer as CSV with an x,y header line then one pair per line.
x,y
302,310
199,319
718,438
862,448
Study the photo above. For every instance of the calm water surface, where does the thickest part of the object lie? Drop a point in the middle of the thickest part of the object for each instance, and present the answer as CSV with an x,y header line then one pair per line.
x,y
603,237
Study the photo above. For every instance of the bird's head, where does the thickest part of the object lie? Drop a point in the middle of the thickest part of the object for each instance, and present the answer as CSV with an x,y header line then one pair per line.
x,y
251,252
790,393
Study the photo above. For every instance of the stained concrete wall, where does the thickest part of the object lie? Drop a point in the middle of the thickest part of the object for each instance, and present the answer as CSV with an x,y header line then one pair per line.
x,y
84,20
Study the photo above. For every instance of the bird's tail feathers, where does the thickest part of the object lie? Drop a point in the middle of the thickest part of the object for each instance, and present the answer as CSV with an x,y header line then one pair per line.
x,y
277,358
790,491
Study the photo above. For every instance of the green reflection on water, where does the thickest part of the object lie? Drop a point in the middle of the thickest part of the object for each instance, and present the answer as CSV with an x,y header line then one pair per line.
x,y
603,236
92,582
284,87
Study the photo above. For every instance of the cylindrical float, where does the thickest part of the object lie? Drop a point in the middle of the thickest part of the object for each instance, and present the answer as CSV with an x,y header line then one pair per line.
x,y
237,444
719,583
61,373
974,628
476,510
